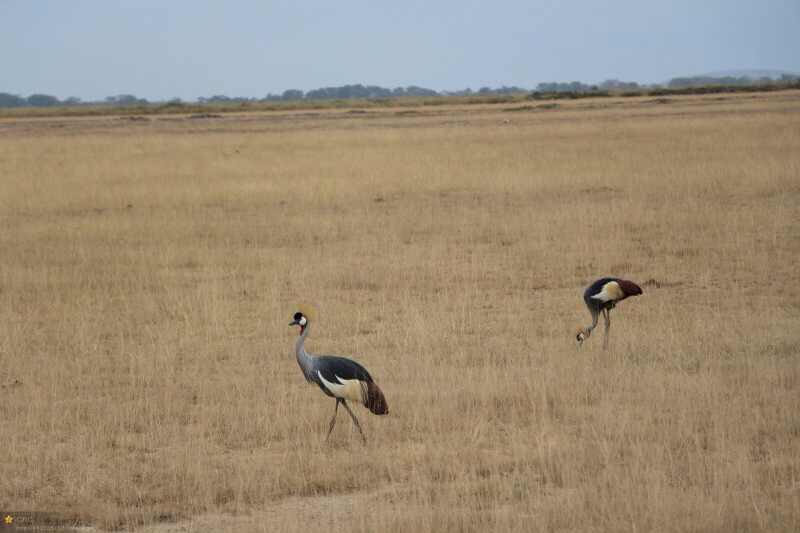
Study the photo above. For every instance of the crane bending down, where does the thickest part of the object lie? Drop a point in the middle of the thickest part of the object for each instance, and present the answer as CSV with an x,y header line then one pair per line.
x,y
339,378
601,297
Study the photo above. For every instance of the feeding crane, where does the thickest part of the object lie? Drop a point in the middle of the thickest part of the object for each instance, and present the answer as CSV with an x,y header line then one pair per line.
x,y
601,297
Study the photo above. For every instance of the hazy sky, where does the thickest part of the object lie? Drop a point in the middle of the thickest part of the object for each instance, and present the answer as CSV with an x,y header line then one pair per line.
x,y
159,49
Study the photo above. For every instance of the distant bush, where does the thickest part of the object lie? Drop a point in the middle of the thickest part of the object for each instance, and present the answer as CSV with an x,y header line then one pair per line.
x,y
715,89
572,87
12,100
125,100
566,95
43,100
538,107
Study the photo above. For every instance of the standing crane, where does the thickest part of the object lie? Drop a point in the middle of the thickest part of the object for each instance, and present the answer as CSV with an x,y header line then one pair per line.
x,y
601,297
339,378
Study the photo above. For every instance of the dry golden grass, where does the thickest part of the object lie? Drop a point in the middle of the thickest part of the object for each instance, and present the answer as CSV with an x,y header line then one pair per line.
x,y
149,270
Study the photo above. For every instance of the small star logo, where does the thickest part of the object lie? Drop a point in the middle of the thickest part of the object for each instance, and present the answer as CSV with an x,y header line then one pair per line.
x,y
8,519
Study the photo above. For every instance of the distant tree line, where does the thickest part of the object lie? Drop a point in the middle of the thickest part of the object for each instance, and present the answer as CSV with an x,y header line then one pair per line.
x,y
34,100
565,87
373,92
485,91
731,81
617,86
577,88
344,92
46,100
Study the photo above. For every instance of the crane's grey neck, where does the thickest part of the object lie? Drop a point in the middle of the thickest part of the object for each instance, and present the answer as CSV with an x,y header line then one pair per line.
x,y
304,359
595,315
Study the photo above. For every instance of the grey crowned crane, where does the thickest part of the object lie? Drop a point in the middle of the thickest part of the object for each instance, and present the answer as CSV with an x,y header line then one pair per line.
x,y
601,297
339,378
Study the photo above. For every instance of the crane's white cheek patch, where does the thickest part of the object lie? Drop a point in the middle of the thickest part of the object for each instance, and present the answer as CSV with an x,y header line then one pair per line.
x,y
349,389
303,321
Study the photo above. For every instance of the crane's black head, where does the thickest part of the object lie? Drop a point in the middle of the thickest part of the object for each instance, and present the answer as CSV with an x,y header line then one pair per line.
x,y
299,319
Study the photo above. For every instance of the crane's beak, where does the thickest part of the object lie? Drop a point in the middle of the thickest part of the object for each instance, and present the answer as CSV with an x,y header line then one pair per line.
x,y
294,323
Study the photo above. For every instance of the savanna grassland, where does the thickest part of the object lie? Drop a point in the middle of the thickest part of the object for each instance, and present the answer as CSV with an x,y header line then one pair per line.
x,y
149,269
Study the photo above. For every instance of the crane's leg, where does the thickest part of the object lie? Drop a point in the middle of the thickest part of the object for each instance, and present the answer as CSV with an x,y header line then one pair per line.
x,y
607,317
355,420
333,420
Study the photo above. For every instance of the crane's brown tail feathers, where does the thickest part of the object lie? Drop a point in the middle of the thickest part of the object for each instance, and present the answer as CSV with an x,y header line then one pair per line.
x,y
373,399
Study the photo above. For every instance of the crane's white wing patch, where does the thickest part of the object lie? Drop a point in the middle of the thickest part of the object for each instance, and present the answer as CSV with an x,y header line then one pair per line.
x,y
611,291
349,389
